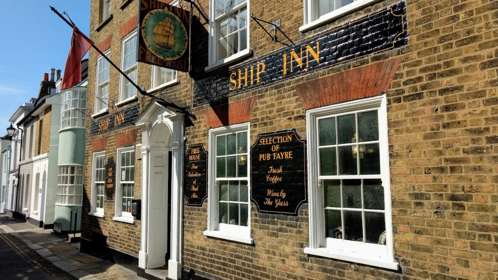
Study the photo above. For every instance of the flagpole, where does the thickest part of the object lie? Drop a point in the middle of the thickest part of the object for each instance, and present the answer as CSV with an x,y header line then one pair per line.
x,y
143,92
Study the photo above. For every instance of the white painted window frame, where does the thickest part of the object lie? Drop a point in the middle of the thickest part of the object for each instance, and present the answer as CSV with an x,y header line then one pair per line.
x,y
120,215
214,62
241,234
352,251
310,22
99,84
127,70
95,211
153,86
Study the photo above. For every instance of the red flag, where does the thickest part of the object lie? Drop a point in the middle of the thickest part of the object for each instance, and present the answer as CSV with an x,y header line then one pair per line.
x,y
72,70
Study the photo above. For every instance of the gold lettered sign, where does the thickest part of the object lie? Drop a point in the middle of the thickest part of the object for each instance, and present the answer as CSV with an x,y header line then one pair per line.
x,y
278,172
195,175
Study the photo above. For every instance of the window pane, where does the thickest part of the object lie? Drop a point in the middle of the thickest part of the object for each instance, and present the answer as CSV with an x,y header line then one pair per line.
x,y
347,160
223,212
368,126
332,193
242,165
353,226
231,144
373,194
346,129
220,167
223,191
326,129
234,191
328,161
243,191
333,224
232,44
220,145
243,214
242,142
243,39
231,166
375,228
233,212
351,193
369,159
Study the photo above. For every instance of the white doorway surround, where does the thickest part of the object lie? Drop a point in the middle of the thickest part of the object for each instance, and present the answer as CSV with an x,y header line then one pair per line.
x,y
162,134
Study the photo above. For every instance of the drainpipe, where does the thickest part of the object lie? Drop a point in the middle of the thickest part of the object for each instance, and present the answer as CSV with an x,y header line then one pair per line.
x,y
19,169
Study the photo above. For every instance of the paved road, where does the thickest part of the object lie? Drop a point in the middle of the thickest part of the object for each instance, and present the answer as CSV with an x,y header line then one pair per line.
x,y
17,261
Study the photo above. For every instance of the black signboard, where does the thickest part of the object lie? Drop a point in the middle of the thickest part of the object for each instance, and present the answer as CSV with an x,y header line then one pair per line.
x,y
379,31
110,175
278,172
164,35
195,175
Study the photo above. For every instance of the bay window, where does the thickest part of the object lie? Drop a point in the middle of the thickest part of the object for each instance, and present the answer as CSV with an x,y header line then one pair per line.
x,y
229,188
349,183
73,108
230,29
70,185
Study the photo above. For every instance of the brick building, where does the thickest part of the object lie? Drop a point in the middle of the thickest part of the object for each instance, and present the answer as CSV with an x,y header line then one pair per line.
x,y
357,143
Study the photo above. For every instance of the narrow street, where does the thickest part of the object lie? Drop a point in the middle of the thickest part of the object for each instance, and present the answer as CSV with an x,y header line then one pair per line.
x,y
17,261
29,252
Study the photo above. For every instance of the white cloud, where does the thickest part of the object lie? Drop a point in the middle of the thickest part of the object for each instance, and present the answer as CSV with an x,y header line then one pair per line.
x,y
6,90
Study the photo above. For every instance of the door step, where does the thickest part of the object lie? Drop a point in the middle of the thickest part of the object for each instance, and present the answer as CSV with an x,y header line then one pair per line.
x,y
157,273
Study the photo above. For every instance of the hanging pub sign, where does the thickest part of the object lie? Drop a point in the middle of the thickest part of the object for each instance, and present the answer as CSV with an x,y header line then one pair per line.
x,y
278,172
195,175
163,35
110,174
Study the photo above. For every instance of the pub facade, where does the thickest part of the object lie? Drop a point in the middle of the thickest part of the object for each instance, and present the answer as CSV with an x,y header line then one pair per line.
x,y
309,140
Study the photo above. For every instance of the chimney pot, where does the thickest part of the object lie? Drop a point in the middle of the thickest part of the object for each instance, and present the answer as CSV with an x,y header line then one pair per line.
x,y
45,77
52,74
58,74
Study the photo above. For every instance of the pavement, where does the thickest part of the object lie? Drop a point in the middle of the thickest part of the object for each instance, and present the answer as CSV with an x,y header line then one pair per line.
x,y
44,255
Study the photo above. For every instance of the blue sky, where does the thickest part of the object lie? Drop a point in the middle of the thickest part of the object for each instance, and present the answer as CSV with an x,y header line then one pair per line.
x,y
33,40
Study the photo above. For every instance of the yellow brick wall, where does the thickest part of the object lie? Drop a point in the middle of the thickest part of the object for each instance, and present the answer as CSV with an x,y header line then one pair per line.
x,y
442,119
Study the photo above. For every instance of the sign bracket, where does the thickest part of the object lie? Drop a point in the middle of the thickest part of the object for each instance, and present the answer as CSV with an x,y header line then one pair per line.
x,y
275,27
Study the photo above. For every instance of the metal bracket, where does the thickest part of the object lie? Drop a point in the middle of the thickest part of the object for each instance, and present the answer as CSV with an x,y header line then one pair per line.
x,y
275,28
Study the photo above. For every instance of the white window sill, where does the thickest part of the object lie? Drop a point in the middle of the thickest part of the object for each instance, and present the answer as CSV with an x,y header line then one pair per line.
x,y
97,214
326,253
230,237
127,100
165,85
124,219
335,14
71,128
234,57
98,114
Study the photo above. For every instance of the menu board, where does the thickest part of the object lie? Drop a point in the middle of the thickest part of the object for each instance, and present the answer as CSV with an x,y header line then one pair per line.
x,y
110,174
278,172
195,175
